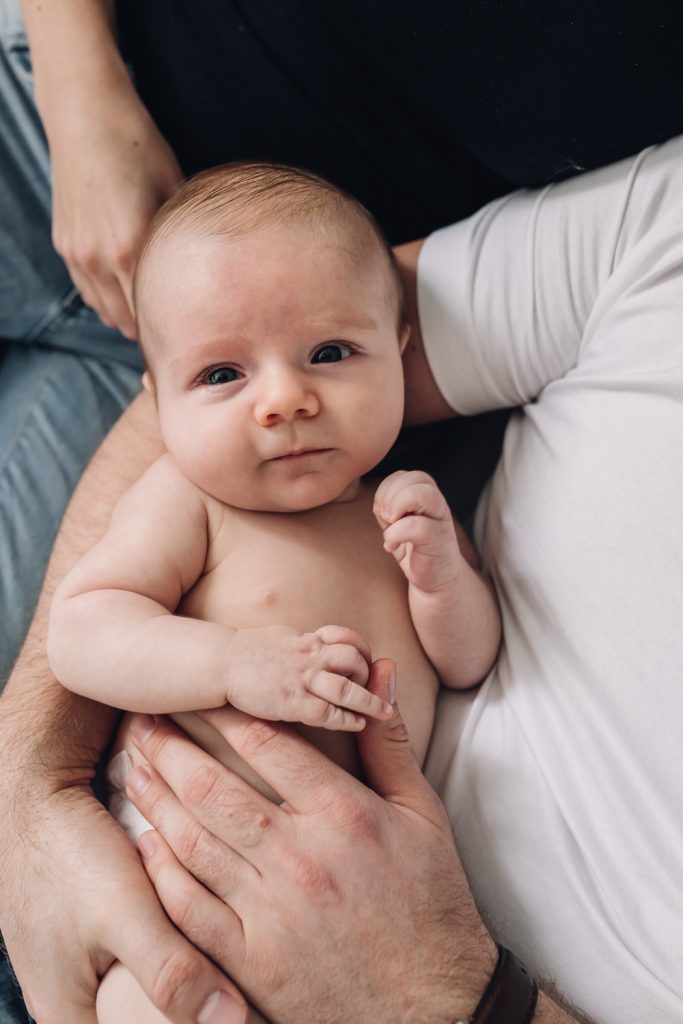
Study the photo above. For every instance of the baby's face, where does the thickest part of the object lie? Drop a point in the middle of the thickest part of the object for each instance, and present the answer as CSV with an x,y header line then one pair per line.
x,y
276,363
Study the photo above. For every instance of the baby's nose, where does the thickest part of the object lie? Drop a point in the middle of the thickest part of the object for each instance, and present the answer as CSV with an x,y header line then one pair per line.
x,y
285,396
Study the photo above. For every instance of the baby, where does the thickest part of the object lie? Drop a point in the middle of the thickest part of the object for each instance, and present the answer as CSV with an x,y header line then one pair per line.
x,y
253,564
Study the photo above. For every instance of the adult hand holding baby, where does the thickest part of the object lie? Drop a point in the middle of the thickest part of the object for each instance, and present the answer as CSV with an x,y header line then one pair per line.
x,y
264,889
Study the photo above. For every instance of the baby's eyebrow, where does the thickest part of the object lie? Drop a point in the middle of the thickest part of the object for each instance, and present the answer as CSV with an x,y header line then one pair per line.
x,y
353,323
215,348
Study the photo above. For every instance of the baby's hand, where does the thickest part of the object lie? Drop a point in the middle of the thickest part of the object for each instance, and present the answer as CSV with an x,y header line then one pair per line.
x,y
315,678
418,529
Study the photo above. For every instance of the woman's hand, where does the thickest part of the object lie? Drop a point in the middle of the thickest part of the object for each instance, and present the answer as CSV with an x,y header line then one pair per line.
x,y
342,903
111,171
111,167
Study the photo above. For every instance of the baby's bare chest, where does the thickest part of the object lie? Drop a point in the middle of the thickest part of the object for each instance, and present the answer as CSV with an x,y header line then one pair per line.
x,y
303,570
306,570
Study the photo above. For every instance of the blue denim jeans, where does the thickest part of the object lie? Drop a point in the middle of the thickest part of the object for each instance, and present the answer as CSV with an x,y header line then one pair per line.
x,y
64,377
12,1009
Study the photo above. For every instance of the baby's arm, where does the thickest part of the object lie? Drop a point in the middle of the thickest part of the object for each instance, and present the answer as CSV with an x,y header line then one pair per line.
x,y
452,603
113,635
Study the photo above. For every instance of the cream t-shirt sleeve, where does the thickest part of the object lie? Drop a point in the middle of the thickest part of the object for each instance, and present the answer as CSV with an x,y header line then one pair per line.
x,y
505,296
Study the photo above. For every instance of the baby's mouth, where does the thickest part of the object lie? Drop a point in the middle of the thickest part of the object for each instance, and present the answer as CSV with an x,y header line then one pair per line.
x,y
299,453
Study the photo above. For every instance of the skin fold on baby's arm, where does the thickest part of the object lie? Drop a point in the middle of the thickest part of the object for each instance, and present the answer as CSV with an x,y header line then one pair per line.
x,y
112,624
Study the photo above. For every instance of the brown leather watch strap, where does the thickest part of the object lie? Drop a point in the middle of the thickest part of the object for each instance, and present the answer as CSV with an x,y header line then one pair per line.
x,y
510,996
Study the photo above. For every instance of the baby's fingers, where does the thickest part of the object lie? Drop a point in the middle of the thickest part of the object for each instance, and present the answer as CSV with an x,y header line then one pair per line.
x,y
404,494
343,693
344,635
345,661
425,534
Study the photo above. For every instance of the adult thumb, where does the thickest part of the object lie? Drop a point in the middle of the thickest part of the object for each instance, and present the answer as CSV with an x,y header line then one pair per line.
x,y
389,763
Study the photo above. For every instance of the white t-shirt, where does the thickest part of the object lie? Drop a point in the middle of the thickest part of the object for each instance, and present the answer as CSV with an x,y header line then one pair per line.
x,y
565,788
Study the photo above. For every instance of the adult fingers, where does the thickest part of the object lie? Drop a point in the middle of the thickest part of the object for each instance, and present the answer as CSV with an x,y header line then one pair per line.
x,y
305,779
113,293
390,765
186,776
104,294
202,853
202,916
89,294
340,691
176,977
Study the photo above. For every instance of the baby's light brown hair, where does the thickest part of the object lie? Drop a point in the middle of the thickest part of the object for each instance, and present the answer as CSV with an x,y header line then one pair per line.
x,y
238,198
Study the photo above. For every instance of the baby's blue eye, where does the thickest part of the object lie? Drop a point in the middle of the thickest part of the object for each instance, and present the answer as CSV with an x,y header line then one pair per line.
x,y
221,375
332,353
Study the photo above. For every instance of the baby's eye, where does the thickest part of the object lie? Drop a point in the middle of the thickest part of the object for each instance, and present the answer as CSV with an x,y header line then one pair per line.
x,y
220,375
332,353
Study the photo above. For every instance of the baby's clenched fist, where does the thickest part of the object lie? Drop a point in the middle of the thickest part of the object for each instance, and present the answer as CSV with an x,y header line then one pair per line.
x,y
418,529
317,678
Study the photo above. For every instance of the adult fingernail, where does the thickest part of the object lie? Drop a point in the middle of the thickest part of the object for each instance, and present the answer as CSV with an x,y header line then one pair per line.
x,y
138,781
391,686
147,842
142,727
221,1008
118,768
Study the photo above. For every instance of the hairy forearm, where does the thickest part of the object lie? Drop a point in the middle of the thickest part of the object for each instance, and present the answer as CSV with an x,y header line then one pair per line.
x,y
459,627
49,737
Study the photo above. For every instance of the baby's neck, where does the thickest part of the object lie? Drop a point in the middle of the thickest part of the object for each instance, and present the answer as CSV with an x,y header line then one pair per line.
x,y
350,493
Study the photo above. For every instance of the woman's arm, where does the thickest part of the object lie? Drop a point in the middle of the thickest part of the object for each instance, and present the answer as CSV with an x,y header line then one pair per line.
x,y
111,167
70,882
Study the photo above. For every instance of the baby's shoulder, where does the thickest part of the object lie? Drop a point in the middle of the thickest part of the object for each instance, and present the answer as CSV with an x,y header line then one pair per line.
x,y
163,485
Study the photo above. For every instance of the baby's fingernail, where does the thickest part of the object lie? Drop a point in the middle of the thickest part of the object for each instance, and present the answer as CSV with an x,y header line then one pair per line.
x,y
391,686
142,727
221,1008
388,709
138,781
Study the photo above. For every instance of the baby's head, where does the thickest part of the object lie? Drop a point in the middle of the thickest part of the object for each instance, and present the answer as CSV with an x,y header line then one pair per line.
x,y
270,314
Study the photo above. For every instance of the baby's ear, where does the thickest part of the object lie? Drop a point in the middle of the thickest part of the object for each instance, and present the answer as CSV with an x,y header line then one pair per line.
x,y
403,337
148,383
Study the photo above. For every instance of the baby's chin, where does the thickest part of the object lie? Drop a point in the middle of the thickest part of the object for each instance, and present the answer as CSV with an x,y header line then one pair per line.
x,y
297,497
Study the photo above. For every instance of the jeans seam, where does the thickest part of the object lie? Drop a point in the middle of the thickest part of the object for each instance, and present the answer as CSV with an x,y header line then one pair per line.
x,y
56,312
